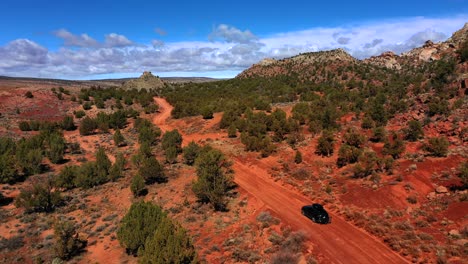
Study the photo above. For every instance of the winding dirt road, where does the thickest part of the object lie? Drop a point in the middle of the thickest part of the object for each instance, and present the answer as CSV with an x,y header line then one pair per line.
x,y
339,242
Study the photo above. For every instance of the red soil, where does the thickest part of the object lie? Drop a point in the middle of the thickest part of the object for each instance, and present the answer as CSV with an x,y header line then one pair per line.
x,y
339,242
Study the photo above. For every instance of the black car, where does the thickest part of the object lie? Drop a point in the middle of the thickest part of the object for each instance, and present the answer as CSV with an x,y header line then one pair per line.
x,y
316,213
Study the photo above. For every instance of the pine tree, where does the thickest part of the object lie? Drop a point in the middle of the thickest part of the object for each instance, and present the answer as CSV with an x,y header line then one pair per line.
x,y
214,178
138,185
119,140
152,171
67,241
298,157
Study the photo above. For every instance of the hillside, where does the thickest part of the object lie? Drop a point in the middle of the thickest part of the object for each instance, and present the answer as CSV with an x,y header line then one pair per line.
x,y
128,171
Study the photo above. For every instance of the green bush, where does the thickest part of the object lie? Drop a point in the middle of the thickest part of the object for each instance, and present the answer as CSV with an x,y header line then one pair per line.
x,y
138,225
298,157
67,241
152,171
437,146
190,153
170,243
68,124
414,131
138,185
394,147
66,177
325,144
41,197
214,177
80,114
24,126
118,138
463,173
171,155
172,139
87,126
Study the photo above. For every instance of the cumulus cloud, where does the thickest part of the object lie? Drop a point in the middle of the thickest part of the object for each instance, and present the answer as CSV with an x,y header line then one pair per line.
x,y
232,35
72,40
116,40
228,49
22,54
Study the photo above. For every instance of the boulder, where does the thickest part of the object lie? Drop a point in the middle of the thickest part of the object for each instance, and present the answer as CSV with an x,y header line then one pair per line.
x,y
441,189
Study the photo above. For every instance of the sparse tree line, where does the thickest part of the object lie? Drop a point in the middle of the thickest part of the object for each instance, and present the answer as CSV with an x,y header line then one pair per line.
x,y
22,158
99,96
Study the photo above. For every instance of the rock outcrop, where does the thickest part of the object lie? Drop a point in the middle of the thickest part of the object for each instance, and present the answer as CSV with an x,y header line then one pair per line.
x,y
147,81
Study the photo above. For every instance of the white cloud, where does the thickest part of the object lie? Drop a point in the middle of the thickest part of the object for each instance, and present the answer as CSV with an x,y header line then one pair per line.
x,y
72,40
227,49
116,40
231,34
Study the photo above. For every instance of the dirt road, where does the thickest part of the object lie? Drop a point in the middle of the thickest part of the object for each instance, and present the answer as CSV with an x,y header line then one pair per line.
x,y
339,242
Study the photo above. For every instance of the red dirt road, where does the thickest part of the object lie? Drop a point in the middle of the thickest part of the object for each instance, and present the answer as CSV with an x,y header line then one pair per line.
x,y
339,242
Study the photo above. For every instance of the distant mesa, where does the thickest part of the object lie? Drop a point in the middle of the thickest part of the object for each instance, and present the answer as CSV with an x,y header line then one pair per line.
x,y
146,81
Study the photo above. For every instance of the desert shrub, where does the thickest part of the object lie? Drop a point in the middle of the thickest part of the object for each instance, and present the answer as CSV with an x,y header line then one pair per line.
x,y
119,140
437,146
414,131
378,134
214,177
207,112
190,153
366,166
232,131
152,171
438,106
463,173
68,124
298,157
117,169
87,105
347,155
67,241
394,146
138,185
354,139
102,161
172,139
88,176
55,147
24,126
28,94
87,126
12,243
40,197
80,114
367,122
66,177
294,242
8,170
325,144
301,174
266,219
170,243
147,131
171,155
140,222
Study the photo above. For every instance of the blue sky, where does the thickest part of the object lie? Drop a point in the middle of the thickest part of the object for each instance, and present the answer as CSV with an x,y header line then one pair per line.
x,y
101,39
